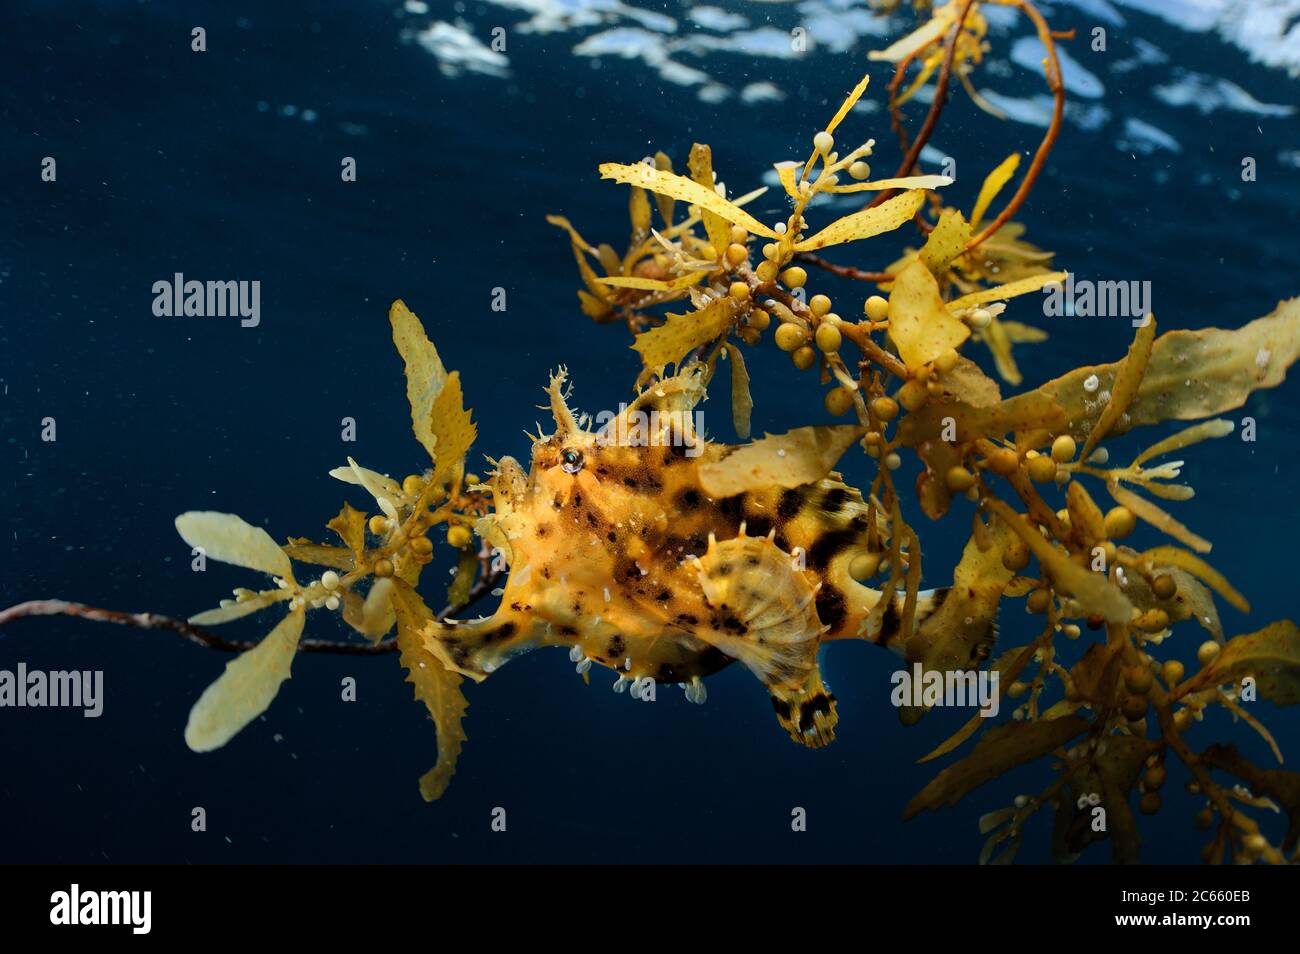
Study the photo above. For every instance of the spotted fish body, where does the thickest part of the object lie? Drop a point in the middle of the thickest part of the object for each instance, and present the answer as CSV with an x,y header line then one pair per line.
x,y
617,553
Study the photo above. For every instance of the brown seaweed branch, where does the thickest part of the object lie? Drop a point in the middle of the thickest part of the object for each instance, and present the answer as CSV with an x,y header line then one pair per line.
x,y
487,580
1052,68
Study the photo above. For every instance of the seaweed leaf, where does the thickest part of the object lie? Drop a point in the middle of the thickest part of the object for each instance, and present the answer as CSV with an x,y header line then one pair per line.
x,y
742,403
246,689
436,686
688,190
800,456
1271,655
226,537
425,374
885,217
1000,749
681,334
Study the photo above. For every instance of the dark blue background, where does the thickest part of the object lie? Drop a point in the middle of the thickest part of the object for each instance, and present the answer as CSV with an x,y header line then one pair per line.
x,y
166,163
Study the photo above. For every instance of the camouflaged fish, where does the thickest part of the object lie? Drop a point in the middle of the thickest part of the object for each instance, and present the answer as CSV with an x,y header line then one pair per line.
x,y
617,553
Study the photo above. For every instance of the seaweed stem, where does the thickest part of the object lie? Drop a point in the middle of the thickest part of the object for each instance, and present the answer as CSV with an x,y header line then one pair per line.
x,y
488,579
1052,68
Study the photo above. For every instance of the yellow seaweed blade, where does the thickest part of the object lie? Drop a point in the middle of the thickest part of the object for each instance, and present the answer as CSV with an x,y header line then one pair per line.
x,y
947,240
1022,286
350,525
687,190
452,429
246,689
1097,595
638,210
653,284
226,537
993,184
919,322
679,334
904,182
233,611
435,686
425,373
718,228
1128,381
1172,556
800,456
788,173
1271,656
1000,749
1158,518
742,403
854,95
929,32
885,217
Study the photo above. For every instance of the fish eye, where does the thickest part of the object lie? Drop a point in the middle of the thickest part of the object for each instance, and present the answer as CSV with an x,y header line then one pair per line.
x,y
571,461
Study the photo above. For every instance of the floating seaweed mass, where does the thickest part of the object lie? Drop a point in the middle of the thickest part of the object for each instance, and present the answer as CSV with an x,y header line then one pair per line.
x,y
663,556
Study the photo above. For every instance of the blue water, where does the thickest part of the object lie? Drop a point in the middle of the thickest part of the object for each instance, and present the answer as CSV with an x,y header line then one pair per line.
x,y
208,164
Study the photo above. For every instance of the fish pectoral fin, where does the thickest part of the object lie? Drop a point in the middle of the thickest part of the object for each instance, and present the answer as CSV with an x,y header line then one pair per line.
x,y
477,648
766,617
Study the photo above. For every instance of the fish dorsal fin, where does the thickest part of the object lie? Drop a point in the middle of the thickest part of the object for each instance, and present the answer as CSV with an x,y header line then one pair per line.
x,y
662,414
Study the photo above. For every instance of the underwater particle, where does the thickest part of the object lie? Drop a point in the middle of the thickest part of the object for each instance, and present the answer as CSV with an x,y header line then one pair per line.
x,y
885,408
876,308
790,337
1207,651
1164,586
739,291
383,568
864,566
819,304
330,580
959,479
459,537
794,277
1063,449
804,358
1119,522
1091,383
839,401
829,338
1042,469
